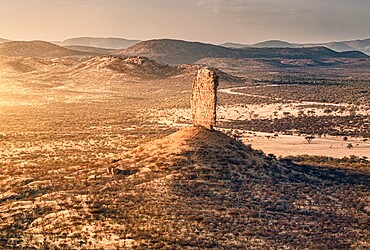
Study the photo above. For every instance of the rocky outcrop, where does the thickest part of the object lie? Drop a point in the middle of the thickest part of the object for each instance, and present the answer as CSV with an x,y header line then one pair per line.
x,y
204,98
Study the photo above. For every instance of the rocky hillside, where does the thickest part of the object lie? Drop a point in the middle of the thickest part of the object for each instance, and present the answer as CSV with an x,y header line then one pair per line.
x,y
178,52
21,65
103,67
193,189
38,49
139,67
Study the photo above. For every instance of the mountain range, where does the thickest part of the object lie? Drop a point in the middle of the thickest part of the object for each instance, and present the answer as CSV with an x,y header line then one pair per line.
x,y
173,52
362,45
340,46
184,52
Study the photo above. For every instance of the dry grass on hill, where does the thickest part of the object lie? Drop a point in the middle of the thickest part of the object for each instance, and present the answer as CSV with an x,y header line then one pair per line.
x,y
193,189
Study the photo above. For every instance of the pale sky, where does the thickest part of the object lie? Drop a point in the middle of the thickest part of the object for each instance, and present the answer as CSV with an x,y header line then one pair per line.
x,y
215,21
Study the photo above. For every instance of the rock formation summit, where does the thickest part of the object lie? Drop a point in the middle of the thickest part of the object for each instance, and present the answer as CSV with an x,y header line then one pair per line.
x,y
204,98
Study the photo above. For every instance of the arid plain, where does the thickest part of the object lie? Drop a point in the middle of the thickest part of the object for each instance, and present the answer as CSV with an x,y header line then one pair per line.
x,y
71,120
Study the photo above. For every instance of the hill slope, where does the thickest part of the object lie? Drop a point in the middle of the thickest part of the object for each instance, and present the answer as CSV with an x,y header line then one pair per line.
x,y
220,193
38,49
106,43
137,67
193,189
176,51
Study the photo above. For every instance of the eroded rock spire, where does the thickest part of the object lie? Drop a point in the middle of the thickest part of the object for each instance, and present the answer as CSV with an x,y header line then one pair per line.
x,y
204,98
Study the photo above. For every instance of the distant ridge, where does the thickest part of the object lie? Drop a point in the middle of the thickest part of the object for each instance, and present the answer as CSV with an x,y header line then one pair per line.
x,y
184,52
38,49
175,51
338,46
274,44
3,40
362,45
106,43
234,45
95,50
264,44
316,53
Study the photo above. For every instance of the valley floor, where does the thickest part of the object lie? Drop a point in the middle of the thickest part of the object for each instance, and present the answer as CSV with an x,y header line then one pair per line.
x,y
287,145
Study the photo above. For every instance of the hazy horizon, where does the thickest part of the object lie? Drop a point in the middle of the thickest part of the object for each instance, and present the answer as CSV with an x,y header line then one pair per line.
x,y
211,21
236,42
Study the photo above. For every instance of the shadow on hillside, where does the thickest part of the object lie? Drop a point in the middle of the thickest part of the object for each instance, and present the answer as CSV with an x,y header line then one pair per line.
x,y
338,176
231,189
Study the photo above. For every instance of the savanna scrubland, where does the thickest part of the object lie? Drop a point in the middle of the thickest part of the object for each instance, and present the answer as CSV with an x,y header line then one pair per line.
x,y
93,155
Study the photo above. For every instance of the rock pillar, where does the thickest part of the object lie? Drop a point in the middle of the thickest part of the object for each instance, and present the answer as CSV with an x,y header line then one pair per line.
x,y
204,98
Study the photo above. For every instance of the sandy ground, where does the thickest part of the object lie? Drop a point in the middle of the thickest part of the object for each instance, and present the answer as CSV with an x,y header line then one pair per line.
x,y
284,145
235,112
234,91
